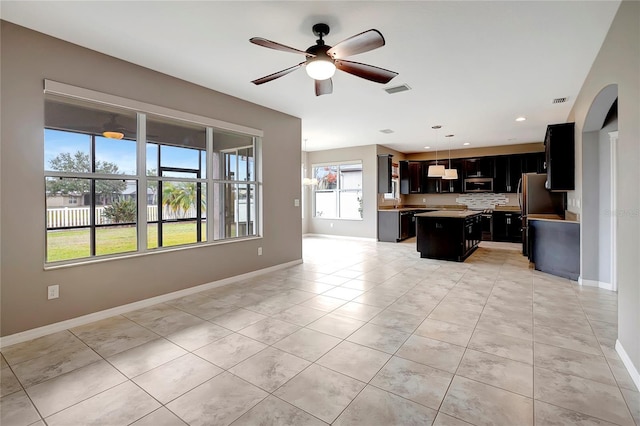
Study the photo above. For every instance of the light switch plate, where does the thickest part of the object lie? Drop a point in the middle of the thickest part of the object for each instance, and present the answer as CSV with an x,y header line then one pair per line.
x,y
296,202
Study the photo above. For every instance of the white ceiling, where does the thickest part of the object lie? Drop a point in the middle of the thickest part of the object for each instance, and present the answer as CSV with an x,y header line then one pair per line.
x,y
473,66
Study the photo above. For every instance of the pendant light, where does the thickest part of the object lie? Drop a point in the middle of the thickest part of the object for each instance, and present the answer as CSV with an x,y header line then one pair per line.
x,y
450,174
436,170
308,181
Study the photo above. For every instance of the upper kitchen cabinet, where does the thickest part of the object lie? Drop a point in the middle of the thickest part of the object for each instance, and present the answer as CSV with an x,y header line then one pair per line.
x,y
508,171
533,162
384,173
479,167
560,157
453,186
412,177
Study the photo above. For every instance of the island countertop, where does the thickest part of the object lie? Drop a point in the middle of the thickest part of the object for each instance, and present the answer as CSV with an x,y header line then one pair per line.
x,y
452,214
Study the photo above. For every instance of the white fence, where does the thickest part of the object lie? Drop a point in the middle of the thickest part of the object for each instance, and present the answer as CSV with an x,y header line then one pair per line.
x,y
81,216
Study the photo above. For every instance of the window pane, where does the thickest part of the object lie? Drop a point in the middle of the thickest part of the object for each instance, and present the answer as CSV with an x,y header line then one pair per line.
x,y
116,217
68,218
327,177
66,151
233,156
180,216
325,204
115,156
181,145
350,205
236,209
350,176
152,159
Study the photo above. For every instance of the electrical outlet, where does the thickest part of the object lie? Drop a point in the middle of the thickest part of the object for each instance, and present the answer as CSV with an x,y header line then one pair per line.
x,y
331,225
53,292
259,251
424,200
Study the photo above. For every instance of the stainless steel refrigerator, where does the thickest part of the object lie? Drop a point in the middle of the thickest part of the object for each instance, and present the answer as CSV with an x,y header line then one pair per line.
x,y
534,198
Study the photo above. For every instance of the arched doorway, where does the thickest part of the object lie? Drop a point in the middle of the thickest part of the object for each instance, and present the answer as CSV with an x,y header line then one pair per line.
x,y
599,137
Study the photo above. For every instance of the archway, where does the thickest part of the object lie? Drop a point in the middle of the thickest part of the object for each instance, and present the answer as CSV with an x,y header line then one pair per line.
x,y
599,137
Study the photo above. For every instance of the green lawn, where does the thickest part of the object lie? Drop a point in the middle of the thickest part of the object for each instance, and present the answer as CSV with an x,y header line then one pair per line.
x,y
74,244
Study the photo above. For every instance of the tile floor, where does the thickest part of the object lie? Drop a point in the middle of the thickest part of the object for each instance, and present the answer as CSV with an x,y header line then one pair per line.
x,y
362,333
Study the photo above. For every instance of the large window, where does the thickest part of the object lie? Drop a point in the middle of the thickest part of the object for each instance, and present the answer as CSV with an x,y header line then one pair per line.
x,y
120,181
338,194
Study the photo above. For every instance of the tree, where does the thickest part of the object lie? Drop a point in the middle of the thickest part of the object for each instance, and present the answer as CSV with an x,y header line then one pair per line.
x,y
180,197
81,163
122,211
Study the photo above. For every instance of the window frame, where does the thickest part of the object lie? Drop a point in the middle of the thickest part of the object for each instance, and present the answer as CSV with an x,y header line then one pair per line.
x,y
338,190
142,109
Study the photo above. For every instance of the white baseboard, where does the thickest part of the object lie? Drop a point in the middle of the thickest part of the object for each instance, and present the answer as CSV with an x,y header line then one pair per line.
x,y
633,371
34,333
594,283
341,237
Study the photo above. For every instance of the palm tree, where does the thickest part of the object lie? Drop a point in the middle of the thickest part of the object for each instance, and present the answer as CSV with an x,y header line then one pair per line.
x,y
180,197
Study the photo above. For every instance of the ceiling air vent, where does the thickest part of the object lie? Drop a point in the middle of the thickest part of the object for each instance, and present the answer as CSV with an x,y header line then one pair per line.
x,y
397,89
559,100
387,131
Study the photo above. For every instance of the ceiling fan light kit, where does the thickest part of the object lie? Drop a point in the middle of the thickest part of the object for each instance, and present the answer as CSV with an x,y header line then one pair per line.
x,y
322,60
113,135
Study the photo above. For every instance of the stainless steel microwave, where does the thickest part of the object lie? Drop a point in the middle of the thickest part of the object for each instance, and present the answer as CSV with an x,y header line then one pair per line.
x,y
478,185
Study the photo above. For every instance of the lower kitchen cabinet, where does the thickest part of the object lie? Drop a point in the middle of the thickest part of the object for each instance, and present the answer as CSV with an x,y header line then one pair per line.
x,y
396,225
448,235
507,227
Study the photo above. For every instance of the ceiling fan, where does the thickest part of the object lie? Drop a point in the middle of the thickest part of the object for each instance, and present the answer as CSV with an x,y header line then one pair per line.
x,y
322,60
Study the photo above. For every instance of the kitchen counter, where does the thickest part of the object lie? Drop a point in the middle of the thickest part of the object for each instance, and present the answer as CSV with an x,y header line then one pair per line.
x,y
449,214
507,209
405,208
550,218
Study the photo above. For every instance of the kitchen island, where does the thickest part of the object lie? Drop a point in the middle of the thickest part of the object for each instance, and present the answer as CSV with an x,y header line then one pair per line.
x,y
448,235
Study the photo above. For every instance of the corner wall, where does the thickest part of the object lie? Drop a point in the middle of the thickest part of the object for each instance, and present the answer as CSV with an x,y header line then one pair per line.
x,y
28,58
618,62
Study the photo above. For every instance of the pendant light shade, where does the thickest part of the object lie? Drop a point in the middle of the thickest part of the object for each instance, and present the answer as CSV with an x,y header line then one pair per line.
x,y
450,174
436,170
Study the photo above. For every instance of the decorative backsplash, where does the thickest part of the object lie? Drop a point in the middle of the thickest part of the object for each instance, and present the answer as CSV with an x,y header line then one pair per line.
x,y
484,200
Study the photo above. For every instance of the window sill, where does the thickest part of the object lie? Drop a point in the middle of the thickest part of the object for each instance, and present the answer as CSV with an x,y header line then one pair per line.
x,y
151,252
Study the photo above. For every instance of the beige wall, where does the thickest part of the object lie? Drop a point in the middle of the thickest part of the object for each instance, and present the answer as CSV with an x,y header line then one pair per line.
x,y
365,228
27,59
618,62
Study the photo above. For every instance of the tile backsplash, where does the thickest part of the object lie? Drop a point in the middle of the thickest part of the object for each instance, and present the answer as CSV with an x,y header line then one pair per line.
x,y
484,200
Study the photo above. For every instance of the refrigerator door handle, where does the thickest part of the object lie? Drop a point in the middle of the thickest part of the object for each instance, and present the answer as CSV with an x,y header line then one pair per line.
x,y
519,192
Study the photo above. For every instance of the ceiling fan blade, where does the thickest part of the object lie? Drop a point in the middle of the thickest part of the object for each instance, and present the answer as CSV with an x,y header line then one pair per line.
x,y
369,72
278,74
277,46
324,87
359,43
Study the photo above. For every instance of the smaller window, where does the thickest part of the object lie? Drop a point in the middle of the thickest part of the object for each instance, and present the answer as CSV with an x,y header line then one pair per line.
x,y
338,194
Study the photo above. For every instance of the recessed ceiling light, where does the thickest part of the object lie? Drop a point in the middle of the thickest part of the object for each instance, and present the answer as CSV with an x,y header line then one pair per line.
x,y
427,147
466,143
521,118
387,131
449,136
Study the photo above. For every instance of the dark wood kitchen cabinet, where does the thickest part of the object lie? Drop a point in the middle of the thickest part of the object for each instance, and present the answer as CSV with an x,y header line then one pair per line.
x,y
507,227
479,167
412,177
448,235
509,170
559,143
384,173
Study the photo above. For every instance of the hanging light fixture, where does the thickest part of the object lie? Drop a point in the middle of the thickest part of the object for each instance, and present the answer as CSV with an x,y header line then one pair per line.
x,y
450,174
436,170
308,181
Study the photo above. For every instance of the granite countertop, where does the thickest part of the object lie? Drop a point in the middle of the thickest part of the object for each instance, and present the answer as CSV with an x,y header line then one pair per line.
x,y
550,218
406,208
507,209
449,213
